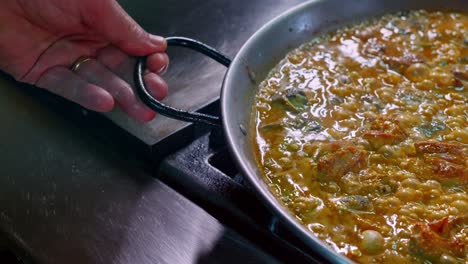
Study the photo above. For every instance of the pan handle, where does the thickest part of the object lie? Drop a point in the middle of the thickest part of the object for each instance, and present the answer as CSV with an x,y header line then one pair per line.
x,y
169,111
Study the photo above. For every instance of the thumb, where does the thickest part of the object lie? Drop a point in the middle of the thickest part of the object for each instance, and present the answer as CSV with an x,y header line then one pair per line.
x,y
109,19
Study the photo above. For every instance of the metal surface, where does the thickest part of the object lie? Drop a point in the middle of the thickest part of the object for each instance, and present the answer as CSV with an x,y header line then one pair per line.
x,y
194,80
66,198
204,172
264,50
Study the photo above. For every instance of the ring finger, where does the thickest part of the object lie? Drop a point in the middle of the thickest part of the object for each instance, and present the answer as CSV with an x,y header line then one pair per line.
x,y
96,73
123,65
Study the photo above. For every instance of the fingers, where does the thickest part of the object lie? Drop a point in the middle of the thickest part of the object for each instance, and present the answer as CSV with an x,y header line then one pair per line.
x,y
94,72
100,83
158,63
97,88
123,66
110,20
63,82
156,85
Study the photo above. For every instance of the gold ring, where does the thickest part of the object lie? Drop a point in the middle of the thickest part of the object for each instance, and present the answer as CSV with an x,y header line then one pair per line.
x,y
76,65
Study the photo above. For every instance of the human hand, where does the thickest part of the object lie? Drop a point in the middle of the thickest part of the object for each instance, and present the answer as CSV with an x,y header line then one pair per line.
x,y
41,39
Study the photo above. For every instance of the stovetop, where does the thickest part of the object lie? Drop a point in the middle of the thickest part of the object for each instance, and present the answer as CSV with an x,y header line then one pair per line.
x,y
205,173
92,202
83,187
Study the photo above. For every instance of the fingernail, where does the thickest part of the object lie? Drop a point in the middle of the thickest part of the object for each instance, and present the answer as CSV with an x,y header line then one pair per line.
x,y
163,70
158,40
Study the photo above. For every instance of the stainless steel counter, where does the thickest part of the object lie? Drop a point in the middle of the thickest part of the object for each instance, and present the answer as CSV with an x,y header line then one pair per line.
x,y
66,198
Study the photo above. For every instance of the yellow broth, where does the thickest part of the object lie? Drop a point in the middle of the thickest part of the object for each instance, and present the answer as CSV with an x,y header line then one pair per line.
x,y
362,134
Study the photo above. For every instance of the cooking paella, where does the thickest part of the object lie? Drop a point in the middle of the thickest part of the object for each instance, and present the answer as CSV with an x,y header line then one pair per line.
x,y
363,135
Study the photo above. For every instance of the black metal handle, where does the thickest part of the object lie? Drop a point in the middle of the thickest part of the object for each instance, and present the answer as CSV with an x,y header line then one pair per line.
x,y
169,111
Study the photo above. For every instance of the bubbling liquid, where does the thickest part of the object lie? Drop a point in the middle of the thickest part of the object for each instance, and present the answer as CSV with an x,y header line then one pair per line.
x,y
362,135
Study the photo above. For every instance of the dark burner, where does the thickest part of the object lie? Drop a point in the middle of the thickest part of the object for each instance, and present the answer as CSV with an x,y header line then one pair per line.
x,y
205,173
